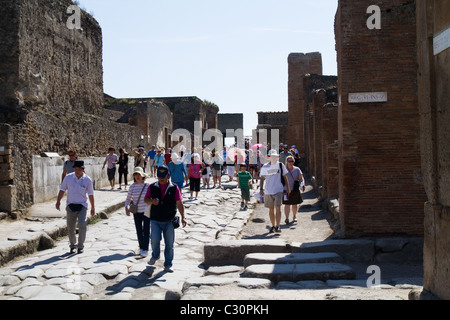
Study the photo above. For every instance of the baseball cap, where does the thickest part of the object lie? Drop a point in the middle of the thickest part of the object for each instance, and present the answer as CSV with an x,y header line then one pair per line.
x,y
162,172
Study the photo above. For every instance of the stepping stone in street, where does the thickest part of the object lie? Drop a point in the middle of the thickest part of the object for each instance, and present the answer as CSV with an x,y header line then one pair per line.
x,y
291,258
300,272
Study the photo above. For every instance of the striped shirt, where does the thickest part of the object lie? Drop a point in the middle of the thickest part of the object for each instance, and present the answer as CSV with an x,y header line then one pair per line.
x,y
133,194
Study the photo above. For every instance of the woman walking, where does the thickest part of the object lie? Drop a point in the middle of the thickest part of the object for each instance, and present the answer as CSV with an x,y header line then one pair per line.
x,y
123,168
195,173
296,182
134,204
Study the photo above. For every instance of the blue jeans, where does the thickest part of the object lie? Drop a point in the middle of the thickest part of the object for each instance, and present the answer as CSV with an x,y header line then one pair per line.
x,y
142,229
163,229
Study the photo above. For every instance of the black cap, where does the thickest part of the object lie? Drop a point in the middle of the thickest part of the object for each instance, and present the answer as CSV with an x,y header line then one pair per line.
x,y
79,164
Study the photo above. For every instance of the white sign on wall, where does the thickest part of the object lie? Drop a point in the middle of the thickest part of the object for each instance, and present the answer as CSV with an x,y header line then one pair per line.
x,y
367,97
441,42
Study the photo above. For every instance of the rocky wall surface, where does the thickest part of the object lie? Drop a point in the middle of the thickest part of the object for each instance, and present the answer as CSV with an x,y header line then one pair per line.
x,y
434,99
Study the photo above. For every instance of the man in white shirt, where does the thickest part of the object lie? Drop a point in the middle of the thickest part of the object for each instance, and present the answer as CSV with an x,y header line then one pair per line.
x,y
274,174
79,187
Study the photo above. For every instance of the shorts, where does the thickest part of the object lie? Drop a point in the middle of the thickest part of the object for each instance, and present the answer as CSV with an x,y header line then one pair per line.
x,y
151,162
194,184
245,193
273,200
111,173
216,173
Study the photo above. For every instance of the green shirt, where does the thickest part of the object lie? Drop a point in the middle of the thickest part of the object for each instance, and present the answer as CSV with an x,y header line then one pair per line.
x,y
244,178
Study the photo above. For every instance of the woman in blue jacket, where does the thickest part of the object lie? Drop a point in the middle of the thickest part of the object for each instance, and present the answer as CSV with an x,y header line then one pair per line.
x,y
177,171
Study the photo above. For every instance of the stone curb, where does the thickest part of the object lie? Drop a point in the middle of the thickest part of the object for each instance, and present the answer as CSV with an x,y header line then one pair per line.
x,y
30,239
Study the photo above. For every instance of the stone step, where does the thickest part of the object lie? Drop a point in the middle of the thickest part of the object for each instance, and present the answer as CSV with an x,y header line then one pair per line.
x,y
220,253
291,258
352,250
300,272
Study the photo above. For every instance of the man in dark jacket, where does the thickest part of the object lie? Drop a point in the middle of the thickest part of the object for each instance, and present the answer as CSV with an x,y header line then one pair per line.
x,y
164,198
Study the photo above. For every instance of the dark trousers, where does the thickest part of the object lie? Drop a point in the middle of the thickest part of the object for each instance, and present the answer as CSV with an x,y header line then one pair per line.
x,y
125,174
142,230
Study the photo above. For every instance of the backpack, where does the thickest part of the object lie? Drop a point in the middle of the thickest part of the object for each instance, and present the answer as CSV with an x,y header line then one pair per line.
x,y
283,182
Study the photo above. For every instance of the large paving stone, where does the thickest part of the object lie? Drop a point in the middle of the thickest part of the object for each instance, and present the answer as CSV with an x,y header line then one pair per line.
x,y
291,258
300,272
352,250
233,252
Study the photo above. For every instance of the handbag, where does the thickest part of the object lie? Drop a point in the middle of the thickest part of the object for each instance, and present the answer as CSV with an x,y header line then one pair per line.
x,y
282,178
75,207
176,222
134,207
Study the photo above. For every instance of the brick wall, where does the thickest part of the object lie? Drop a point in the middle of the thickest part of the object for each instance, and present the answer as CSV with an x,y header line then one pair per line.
x,y
299,65
330,171
380,181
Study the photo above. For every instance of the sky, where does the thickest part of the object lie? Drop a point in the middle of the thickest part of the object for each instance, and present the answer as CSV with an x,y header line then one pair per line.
x,y
232,53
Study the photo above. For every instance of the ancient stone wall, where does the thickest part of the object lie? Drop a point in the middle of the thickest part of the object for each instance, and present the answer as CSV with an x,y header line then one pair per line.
x,y
316,93
51,93
153,118
380,179
434,99
274,121
45,63
300,64
232,121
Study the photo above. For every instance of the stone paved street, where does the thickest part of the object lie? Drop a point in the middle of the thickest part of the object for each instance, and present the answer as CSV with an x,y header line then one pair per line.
x,y
110,268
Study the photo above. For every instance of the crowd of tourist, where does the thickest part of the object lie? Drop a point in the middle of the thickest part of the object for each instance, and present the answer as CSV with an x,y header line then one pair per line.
x,y
280,182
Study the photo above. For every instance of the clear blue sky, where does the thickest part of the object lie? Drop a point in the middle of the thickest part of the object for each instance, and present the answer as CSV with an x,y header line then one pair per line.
x,y
233,53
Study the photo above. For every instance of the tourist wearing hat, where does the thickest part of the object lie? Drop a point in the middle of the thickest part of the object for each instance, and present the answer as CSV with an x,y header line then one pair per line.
x,y
79,188
273,174
135,204
164,198
177,171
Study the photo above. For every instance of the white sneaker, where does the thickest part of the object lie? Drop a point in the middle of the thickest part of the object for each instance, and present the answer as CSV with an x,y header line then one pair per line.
x,y
143,253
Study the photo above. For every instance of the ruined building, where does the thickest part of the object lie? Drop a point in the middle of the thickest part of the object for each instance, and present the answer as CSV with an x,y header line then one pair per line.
x,y
51,99
269,121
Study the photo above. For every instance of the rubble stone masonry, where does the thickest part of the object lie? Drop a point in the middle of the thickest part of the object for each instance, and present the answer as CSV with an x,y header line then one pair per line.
x,y
380,180
434,104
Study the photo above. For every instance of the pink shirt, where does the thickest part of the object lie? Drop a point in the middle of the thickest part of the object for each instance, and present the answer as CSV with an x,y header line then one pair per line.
x,y
163,192
194,170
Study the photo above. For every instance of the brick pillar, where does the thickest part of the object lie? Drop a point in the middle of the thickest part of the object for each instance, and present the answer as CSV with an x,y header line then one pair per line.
x,y
299,65
329,136
380,181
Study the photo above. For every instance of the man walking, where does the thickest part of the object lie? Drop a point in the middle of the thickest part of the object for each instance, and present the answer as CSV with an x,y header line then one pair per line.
x,y
165,199
274,174
79,187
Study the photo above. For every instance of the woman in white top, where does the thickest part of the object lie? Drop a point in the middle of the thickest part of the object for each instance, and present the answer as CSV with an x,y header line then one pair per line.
x,y
135,204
